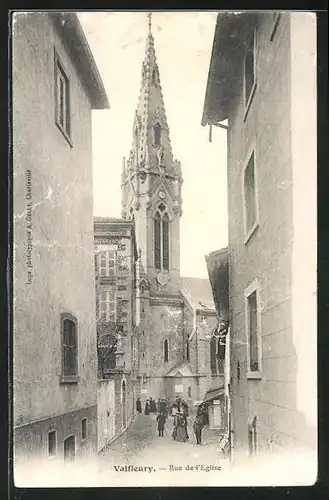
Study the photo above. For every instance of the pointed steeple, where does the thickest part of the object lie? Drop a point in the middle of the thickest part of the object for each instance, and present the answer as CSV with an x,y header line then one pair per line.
x,y
152,180
151,142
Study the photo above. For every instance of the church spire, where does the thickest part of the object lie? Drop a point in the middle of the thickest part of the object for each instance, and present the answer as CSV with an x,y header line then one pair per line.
x,y
151,151
151,186
149,15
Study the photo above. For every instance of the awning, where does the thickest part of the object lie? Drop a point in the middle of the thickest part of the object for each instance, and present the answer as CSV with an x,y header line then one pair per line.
x,y
213,394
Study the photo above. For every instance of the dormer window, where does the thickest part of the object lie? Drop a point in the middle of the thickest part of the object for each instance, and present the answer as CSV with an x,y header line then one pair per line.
x,y
157,134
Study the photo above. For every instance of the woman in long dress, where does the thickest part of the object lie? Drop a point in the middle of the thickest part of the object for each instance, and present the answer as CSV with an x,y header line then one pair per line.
x,y
147,408
181,428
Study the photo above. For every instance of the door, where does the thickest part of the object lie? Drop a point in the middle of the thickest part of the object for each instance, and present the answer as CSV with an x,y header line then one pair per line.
x,y
124,404
69,449
252,437
217,412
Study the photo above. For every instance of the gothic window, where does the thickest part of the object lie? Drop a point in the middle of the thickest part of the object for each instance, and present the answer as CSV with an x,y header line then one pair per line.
x,y
166,351
165,242
157,241
153,76
161,238
187,351
157,134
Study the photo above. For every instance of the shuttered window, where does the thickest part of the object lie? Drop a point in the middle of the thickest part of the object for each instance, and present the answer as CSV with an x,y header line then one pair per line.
x,y
69,347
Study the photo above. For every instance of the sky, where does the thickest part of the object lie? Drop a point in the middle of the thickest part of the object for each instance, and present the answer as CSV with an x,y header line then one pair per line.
x,y
183,43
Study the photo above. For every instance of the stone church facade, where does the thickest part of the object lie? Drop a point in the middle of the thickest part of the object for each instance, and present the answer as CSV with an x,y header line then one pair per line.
x,y
175,317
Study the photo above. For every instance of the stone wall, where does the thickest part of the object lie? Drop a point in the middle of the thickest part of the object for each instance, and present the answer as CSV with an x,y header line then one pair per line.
x,y
267,254
60,178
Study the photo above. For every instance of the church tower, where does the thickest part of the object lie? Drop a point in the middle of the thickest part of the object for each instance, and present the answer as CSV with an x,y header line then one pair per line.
x,y
151,184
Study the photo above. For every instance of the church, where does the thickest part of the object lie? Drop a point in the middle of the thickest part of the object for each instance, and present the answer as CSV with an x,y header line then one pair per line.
x,y
175,316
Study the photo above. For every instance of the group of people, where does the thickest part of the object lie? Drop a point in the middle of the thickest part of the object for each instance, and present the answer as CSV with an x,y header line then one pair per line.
x,y
179,410
152,406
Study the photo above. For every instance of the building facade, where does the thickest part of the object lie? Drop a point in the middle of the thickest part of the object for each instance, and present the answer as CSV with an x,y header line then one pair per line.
x,y
262,80
115,267
169,316
55,86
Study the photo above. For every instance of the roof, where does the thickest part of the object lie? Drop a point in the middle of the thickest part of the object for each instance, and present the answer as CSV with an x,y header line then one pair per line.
x,y
114,222
212,394
199,293
217,265
227,48
72,34
182,370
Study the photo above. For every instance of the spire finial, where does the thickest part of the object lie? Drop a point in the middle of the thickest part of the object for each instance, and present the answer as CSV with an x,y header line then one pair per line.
x,y
149,15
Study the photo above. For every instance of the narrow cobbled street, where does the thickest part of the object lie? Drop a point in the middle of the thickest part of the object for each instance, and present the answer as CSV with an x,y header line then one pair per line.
x,y
141,457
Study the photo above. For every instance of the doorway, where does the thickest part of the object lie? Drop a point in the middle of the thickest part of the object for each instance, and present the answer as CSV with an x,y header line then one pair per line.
x,y
252,437
124,403
69,449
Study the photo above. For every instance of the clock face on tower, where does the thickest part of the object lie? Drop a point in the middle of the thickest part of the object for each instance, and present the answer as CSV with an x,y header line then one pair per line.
x,y
162,195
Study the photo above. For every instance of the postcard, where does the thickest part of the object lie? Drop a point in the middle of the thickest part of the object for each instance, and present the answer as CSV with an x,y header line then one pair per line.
x,y
165,242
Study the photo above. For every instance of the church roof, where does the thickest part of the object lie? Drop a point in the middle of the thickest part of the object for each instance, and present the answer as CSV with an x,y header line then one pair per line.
x,y
113,220
182,370
199,293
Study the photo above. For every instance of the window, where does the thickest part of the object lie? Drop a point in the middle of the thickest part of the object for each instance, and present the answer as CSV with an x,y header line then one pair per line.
x,y
84,429
69,348
107,306
157,134
276,16
213,355
62,100
249,71
52,443
250,197
253,331
187,351
166,351
153,76
189,392
161,238
107,263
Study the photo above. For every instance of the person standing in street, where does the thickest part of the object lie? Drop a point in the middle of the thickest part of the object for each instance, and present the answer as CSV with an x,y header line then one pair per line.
x,y
139,405
161,419
197,427
185,408
147,407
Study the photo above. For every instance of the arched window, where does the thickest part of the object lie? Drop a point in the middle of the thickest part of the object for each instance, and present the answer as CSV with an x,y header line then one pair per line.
x,y
166,351
157,134
69,348
187,351
161,238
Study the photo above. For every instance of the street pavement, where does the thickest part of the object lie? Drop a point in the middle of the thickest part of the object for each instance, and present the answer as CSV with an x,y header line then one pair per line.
x,y
141,458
